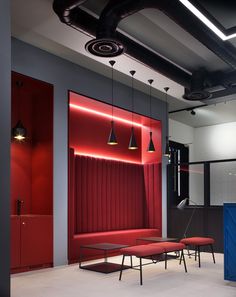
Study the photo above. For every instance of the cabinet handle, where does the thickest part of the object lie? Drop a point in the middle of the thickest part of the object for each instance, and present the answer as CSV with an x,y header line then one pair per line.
x,y
23,223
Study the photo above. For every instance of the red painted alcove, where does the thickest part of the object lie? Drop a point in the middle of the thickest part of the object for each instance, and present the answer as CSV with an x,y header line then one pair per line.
x,y
109,195
32,174
89,127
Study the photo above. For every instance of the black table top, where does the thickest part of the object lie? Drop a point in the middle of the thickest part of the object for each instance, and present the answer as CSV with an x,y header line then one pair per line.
x,y
157,239
104,246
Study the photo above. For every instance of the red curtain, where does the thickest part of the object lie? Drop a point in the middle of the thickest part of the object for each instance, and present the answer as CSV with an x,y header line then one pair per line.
x,y
153,206
109,195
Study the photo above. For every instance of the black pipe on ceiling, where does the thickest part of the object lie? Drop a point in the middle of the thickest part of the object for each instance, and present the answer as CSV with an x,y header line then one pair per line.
x,y
115,11
79,19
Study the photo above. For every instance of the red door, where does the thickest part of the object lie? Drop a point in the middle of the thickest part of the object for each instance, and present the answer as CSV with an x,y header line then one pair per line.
x,y
36,240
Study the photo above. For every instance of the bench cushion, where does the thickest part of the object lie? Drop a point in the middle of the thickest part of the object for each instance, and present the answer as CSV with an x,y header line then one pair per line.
x,y
197,240
170,246
143,250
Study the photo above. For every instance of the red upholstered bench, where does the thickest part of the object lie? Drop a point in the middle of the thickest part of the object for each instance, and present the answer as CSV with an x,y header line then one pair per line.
x,y
151,251
197,242
127,237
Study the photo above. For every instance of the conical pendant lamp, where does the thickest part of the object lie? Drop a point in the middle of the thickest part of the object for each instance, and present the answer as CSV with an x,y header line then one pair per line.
x,y
151,147
19,132
112,136
132,142
167,148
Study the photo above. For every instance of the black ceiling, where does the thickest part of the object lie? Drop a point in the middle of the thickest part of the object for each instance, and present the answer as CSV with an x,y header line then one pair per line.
x,y
200,84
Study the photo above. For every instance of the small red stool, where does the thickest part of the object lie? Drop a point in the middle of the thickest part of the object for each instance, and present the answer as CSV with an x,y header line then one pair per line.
x,y
197,242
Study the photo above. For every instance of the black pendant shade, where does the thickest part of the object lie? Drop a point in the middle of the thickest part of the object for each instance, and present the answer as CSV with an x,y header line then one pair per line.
x,y
112,137
19,132
167,149
151,147
132,142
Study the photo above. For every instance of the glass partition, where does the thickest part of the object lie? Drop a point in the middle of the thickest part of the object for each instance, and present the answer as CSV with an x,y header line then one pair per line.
x,y
196,184
222,183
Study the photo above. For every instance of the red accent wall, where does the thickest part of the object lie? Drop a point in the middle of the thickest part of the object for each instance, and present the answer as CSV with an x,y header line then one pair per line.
x,y
32,175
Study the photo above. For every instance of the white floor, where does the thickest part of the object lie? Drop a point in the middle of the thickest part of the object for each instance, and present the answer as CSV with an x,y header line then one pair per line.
x,y
70,281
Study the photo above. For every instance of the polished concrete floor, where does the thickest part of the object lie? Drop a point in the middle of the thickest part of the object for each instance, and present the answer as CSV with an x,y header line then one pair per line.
x,y
70,281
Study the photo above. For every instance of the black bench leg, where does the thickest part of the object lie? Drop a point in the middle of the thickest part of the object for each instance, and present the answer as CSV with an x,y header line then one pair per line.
x,y
131,262
180,259
199,258
165,260
141,272
182,256
212,251
195,253
189,255
121,268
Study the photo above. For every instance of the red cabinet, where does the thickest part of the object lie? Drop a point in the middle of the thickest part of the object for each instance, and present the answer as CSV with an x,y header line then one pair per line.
x,y
31,241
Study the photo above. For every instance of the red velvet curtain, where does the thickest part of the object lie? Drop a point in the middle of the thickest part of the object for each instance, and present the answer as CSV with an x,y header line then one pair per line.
x,y
153,191
109,195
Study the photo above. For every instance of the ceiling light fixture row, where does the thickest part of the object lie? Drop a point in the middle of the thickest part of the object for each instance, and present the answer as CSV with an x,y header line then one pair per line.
x,y
112,140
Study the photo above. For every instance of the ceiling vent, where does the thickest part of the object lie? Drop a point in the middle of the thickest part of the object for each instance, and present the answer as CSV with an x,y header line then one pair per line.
x,y
197,92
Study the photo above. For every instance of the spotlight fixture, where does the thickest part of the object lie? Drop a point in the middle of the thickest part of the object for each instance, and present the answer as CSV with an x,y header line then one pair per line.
x,y
112,136
193,112
132,142
19,132
167,148
151,147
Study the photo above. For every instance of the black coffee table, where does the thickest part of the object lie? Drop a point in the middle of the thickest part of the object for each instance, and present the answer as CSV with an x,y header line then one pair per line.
x,y
156,239
105,266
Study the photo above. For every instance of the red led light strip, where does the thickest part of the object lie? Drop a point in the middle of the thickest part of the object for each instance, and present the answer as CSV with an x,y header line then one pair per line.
x,y
106,157
99,113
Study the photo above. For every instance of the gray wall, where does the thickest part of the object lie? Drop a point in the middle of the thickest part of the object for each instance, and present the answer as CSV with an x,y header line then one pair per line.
x,y
65,76
5,105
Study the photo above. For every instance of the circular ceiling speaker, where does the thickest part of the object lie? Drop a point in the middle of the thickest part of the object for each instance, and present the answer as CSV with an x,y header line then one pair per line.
x,y
197,95
104,47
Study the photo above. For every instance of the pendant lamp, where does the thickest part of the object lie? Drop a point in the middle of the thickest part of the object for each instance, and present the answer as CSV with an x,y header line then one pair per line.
x,y
151,147
19,132
132,142
112,136
167,148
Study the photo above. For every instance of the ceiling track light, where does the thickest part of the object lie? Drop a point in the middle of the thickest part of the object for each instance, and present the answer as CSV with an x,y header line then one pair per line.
x,y
132,142
19,132
151,147
112,136
167,147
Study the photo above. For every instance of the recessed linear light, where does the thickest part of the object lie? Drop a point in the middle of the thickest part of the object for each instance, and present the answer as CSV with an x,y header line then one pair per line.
x,y
103,114
206,21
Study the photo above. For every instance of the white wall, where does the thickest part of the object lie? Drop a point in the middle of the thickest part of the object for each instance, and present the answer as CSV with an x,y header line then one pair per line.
x,y
183,134
215,142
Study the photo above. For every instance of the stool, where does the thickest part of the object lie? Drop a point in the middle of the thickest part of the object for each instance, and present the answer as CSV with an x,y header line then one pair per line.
x,y
197,242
